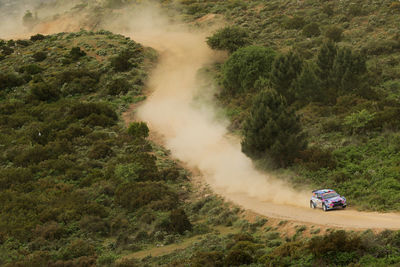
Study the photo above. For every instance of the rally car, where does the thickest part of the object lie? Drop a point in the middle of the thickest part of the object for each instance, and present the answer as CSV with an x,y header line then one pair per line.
x,y
327,199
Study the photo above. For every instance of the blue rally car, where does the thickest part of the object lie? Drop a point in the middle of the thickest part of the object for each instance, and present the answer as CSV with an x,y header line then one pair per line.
x,y
327,199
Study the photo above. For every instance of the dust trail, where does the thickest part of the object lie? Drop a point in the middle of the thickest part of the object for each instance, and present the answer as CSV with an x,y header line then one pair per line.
x,y
190,129
45,14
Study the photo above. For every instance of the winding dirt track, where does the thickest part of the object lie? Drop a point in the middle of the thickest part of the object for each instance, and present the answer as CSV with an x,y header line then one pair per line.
x,y
189,129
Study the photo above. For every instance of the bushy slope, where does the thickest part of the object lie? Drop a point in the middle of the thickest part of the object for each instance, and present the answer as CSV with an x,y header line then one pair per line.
x,y
75,184
351,115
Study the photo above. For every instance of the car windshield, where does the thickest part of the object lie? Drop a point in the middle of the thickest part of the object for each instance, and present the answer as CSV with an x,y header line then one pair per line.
x,y
330,195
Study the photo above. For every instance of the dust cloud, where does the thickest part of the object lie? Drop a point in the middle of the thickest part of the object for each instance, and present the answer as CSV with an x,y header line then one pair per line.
x,y
47,15
191,129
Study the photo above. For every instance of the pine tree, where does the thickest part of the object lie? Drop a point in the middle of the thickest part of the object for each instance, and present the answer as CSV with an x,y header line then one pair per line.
x,y
272,130
307,87
348,71
284,71
325,60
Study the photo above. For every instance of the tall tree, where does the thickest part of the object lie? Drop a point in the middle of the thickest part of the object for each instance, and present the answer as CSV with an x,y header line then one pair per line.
x,y
325,60
307,87
272,130
348,71
284,71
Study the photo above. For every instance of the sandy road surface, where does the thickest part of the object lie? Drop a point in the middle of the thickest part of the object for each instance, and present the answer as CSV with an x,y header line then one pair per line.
x,y
192,133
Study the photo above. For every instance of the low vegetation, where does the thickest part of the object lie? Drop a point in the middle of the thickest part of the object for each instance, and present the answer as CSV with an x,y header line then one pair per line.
x,y
78,188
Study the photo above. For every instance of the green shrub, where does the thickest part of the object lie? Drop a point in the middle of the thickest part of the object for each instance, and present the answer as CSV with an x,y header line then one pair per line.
x,y
10,80
100,150
230,38
134,195
328,9
334,33
45,92
77,248
121,62
6,50
78,81
179,221
311,30
23,43
245,67
37,37
84,110
138,130
31,69
107,259
118,86
359,121
238,258
315,158
211,259
39,56
295,22
76,53
355,10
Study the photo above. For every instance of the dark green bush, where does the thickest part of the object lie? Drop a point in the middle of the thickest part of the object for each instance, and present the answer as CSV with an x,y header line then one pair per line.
x,y
31,69
100,150
311,30
179,221
76,53
14,176
79,81
138,130
328,9
230,38
238,258
315,158
23,42
334,33
10,80
45,92
84,110
136,195
122,62
39,56
6,50
355,10
335,243
118,86
211,259
38,37
295,22
78,248
245,67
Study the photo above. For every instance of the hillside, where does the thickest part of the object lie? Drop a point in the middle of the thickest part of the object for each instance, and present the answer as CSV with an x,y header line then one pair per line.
x,y
79,186
352,125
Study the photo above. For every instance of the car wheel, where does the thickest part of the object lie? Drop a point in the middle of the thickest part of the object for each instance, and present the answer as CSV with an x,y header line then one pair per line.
x,y
312,205
324,207
344,206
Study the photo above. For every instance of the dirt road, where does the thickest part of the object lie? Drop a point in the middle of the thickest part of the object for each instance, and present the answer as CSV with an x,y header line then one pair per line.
x,y
196,135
